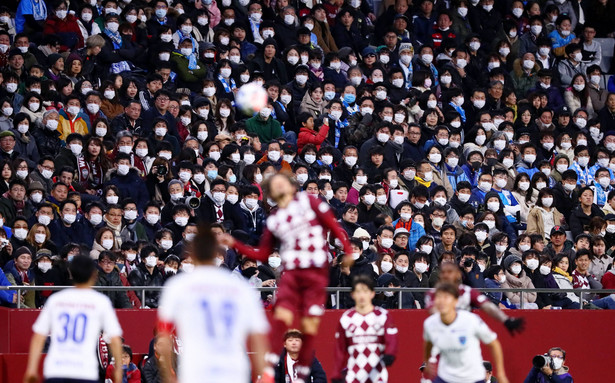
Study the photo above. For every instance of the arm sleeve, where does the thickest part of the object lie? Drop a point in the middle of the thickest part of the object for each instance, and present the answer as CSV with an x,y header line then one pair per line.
x,y
327,220
258,323
166,309
390,337
477,299
483,332
341,352
532,377
42,325
111,326
262,252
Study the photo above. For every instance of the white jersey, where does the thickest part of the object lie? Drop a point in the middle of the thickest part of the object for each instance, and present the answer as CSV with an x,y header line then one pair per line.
x,y
213,313
74,319
461,360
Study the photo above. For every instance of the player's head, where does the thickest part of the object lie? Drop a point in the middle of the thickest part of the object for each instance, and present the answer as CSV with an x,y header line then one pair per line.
x,y
445,297
362,290
82,269
450,273
293,339
279,186
204,245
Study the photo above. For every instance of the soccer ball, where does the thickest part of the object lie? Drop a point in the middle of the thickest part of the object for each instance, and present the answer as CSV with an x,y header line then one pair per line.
x,y
251,98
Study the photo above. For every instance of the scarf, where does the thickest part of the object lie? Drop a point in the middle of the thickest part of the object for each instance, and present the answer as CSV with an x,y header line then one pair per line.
x,y
459,110
39,10
45,49
115,37
357,186
563,273
117,231
427,184
339,125
227,88
192,65
19,205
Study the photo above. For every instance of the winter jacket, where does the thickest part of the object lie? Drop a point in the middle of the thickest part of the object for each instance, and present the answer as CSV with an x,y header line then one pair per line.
x,y
255,222
496,298
131,374
579,220
317,373
309,105
67,126
15,279
536,376
563,282
535,224
188,78
522,81
26,145
130,186
574,102
311,136
118,298
267,131
9,212
6,296
520,282
142,277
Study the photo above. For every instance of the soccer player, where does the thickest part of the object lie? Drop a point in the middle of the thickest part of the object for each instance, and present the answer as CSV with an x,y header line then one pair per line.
x,y
470,298
366,338
457,335
300,225
215,315
74,319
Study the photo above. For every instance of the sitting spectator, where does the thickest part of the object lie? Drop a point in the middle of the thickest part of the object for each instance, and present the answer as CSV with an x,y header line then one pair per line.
x,y
108,276
131,373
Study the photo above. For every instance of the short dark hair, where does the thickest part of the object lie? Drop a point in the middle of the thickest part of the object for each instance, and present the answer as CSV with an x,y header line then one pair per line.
x,y
82,269
363,280
204,244
449,288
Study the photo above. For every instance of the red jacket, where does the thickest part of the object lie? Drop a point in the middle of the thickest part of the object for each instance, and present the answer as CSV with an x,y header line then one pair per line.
x,y
67,30
132,375
310,136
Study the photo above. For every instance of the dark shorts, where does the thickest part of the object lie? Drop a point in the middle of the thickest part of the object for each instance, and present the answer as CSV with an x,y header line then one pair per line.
x,y
62,380
304,291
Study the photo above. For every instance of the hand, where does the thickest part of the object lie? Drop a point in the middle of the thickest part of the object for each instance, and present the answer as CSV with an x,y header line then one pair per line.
x,y
347,261
269,283
388,359
548,307
226,240
462,72
31,377
515,325
502,378
430,370
547,370
9,248
345,270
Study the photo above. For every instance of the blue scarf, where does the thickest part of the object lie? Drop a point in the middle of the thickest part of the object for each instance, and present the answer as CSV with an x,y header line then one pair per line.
x,y
339,125
115,38
227,88
459,110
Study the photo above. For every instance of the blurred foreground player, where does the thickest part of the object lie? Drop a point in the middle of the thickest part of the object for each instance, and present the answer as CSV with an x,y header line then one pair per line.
x,y
215,315
299,227
470,298
366,339
457,335
74,319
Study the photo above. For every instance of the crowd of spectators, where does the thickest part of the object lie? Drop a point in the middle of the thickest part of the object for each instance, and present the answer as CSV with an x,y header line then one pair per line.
x,y
438,131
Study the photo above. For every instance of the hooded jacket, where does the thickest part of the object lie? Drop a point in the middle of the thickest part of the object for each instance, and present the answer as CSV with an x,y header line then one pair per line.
x,y
118,298
130,186
267,130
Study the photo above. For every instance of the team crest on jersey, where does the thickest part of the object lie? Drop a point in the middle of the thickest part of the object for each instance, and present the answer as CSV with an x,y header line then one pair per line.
x,y
463,340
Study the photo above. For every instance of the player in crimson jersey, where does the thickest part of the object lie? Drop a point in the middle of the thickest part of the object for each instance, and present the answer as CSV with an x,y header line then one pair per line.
x,y
366,339
457,335
470,298
299,227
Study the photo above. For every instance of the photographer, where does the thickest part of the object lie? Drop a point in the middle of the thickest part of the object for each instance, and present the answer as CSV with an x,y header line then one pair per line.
x,y
549,368
472,276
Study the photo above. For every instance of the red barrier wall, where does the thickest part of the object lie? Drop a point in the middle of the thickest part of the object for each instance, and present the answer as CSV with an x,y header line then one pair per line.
x,y
587,336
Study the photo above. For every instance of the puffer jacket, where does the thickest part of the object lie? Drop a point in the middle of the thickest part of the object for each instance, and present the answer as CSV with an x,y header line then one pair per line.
x,y
131,185
521,282
142,277
118,298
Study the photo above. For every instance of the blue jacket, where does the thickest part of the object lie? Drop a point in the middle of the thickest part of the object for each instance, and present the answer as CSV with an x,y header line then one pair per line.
x,y
6,296
62,235
455,176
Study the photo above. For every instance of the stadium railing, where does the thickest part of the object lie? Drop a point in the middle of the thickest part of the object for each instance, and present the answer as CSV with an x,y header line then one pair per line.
x,y
336,291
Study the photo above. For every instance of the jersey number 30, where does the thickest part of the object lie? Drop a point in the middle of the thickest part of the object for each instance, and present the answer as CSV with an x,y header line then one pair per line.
x,y
73,327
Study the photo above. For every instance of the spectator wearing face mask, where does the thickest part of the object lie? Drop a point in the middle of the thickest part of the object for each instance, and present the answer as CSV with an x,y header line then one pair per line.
x,y
147,273
109,276
128,180
253,213
19,273
494,278
216,209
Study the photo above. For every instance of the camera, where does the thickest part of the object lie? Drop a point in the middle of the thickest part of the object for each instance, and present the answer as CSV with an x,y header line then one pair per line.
x,y
3,242
193,202
540,361
469,262
162,170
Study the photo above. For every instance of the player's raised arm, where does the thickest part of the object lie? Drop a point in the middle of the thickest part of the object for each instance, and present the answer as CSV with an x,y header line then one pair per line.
x,y
261,253
259,347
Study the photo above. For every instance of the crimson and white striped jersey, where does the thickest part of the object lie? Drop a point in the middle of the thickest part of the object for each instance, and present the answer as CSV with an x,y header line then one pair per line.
x,y
301,230
468,298
362,341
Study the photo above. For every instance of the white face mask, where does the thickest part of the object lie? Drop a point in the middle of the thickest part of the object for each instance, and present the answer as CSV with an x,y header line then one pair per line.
x,y
107,244
532,264
361,180
500,248
481,235
464,197
545,270
386,266
515,269
69,218
151,261
166,244
435,158
369,199
428,176
387,243
96,219
152,219
44,220
401,269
